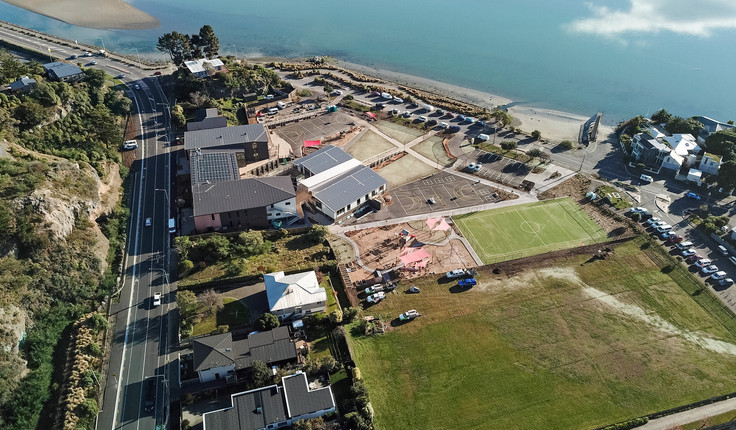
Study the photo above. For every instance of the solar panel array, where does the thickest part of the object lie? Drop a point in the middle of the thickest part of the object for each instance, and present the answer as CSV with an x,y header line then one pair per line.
x,y
213,167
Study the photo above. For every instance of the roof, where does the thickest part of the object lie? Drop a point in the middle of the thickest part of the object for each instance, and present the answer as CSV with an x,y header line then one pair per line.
x,y
684,144
301,400
61,70
348,187
197,66
206,119
290,291
213,351
209,167
22,83
326,158
240,194
225,136
711,125
256,409
650,143
270,346
331,173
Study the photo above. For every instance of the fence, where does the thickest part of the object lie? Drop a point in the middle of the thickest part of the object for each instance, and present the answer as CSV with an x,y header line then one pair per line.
x,y
380,158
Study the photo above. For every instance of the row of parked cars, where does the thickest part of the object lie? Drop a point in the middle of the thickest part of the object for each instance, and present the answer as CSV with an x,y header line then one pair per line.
x,y
686,249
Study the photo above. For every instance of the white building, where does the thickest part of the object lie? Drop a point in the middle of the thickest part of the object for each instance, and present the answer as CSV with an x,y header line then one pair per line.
x,y
203,67
294,296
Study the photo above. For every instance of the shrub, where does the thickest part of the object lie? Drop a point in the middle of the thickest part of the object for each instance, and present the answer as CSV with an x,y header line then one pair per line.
x,y
267,321
94,349
221,329
349,314
185,266
534,152
566,145
536,134
628,424
98,322
185,425
636,217
356,374
336,316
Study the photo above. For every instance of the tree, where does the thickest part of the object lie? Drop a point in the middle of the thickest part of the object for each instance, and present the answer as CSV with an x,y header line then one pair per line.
x,y
209,43
29,114
328,89
508,145
259,374
317,234
355,421
534,152
211,302
727,175
721,142
11,68
678,124
95,78
536,134
567,145
267,321
661,116
188,306
176,45
349,314
502,117
45,94
310,424
250,243
336,316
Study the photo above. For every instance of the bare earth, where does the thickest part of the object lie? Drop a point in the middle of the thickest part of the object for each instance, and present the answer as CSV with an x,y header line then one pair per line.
x,y
103,14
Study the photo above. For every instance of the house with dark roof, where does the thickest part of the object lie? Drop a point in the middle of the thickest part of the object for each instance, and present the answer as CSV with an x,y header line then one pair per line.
x,y
63,72
219,357
711,125
338,184
250,139
206,119
23,84
649,150
273,406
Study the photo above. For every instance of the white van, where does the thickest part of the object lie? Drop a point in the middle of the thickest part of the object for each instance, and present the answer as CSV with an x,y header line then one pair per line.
x,y
172,225
646,178
273,111
281,105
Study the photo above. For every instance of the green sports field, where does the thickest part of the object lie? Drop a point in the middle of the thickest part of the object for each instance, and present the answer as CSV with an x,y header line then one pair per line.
x,y
535,228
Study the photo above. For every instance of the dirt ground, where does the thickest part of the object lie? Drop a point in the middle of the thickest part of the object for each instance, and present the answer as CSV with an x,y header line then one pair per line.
x,y
380,248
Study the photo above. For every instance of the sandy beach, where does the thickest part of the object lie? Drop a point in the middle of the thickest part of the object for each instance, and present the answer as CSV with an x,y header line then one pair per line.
x,y
102,14
554,125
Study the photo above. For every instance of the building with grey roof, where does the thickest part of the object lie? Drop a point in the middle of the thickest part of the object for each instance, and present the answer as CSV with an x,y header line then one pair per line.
x,y
243,203
711,125
63,72
273,406
206,119
251,139
337,183
23,84
218,356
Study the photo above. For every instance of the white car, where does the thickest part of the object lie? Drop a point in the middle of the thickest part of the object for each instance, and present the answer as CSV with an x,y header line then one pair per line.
x,y
719,275
137,87
638,210
653,220
471,166
337,93
664,227
398,100
656,224
702,263
148,222
156,299
443,125
689,252
455,273
478,166
422,119
87,54
407,114
707,270
375,298
130,144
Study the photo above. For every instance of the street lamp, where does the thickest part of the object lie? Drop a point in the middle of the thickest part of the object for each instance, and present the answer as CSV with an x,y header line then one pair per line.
x,y
166,193
103,43
139,58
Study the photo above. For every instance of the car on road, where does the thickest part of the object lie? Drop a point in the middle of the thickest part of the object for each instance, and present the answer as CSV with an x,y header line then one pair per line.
x,y
120,76
156,73
156,299
477,167
409,315
148,222
652,220
337,93
693,258
707,270
719,275
732,259
137,87
646,178
130,144
422,119
374,289
722,249
443,125
93,63
455,273
469,282
703,262
454,128
726,282
87,54
375,298
689,252
150,397
74,56
692,195
638,210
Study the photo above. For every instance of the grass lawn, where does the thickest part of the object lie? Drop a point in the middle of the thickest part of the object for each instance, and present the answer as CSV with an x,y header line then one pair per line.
x,y
369,145
514,155
399,132
233,314
432,148
405,170
569,345
607,191
531,229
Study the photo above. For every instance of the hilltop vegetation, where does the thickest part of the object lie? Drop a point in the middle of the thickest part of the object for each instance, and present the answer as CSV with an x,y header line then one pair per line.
x,y
58,143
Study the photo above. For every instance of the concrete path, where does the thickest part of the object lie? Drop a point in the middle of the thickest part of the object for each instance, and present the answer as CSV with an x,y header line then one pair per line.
x,y
693,415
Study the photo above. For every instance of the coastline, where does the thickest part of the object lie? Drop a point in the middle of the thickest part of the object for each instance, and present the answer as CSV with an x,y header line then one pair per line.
x,y
98,14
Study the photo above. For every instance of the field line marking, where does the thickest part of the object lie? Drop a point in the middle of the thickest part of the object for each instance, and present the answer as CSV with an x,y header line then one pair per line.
x,y
475,239
535,233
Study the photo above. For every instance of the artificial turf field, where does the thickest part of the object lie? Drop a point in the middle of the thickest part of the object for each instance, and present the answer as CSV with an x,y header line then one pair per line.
x,y
523,230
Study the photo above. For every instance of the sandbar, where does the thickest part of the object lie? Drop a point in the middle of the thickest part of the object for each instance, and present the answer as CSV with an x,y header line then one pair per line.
x,y
100,14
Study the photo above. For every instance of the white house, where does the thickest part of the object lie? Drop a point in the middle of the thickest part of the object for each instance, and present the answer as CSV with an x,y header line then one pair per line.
x,y
294,295
203,67
710,163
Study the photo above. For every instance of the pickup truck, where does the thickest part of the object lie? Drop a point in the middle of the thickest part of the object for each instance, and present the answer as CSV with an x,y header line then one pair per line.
x,y
467,282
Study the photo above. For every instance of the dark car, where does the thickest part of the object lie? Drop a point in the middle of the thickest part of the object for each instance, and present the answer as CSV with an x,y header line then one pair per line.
x,y
454,128
693,258
150,396
432,122
379,106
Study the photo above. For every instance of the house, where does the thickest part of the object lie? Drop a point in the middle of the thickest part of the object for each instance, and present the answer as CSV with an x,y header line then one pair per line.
x,y
294,295
203,67
23,84
711,126
710,163
250,139
649,150
63,72
273,406
219,357
338,184
206,119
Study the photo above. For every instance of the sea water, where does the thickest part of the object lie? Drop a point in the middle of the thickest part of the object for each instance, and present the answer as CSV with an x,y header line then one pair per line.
x,y
526,50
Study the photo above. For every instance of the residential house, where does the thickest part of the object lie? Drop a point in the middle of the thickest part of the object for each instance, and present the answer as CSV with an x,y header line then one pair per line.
x,y
219,357
711,126
294,296
250,139
63,72
710,163
203,67
337,183
649,150
273,406
23,85
206,119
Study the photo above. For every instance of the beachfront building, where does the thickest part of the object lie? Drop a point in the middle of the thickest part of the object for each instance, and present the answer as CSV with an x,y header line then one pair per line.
x,y
63,72
275,406
249,142
294,296
711,126
650,151
23,85
336,183
203,67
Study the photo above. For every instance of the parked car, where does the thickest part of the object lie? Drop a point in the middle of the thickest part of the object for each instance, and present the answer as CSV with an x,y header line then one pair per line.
x,y
409,315
422,119
666,234
268,97
481,123
707,270
337,93
726,282
674,239
722,249
455,273
732,259
703,262
407,114
137,87
467,282
684,245
471,166
693,258
431,201
374,289
156,299
130,144
460,118
150,398
664,228
432,122
646,178
689,252
719,275
469,120
638,210
443,125
375,298
440,112
477,167
652,220
658,223
692,195
398,100
454,128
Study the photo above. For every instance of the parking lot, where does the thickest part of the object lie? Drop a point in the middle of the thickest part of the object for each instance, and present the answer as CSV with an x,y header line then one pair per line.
x,y
316,128
498,168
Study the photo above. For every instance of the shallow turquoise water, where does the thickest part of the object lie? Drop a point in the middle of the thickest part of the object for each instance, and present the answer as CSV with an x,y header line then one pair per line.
x,y
522,50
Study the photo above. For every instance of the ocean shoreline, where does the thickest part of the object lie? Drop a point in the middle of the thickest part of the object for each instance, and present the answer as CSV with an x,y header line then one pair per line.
x,y
107,15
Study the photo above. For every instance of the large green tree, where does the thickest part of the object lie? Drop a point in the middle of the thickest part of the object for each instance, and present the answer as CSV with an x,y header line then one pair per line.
x,y
727,175
678,124
721,142
209,43
177,45
10,67
661,116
